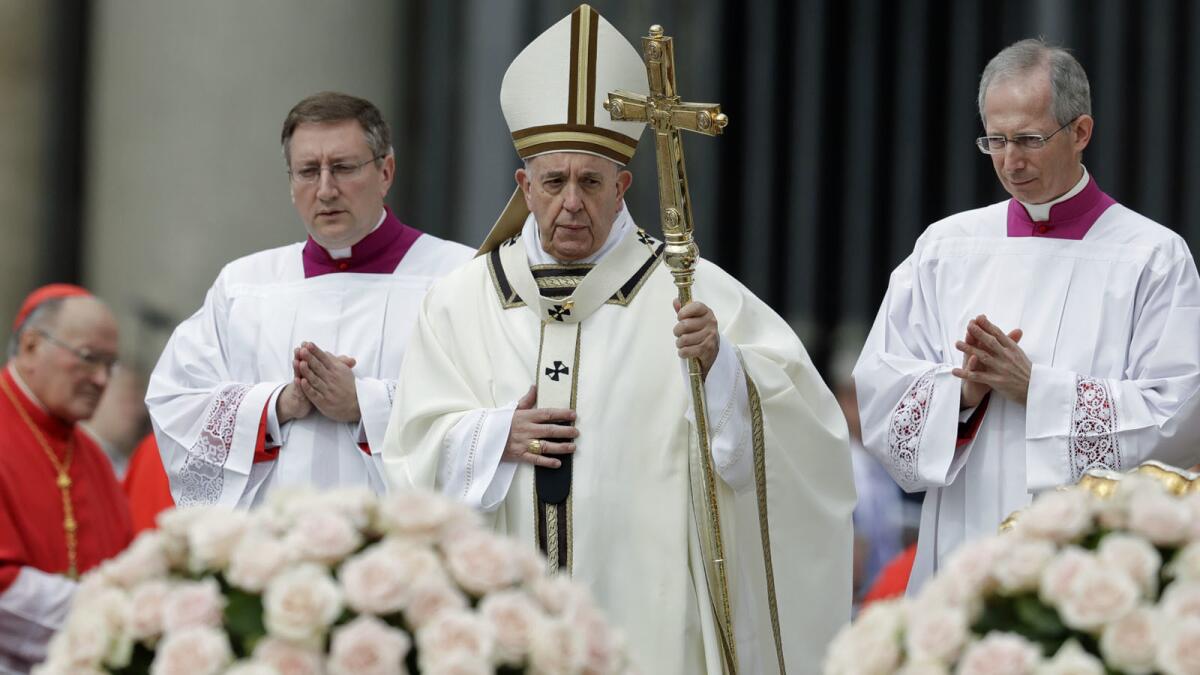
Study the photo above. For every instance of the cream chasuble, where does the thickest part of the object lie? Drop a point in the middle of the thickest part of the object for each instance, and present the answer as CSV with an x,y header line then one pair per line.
x,y
599,339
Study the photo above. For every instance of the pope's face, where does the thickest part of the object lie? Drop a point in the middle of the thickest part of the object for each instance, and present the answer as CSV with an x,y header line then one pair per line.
x,y
50,362
575,198
1021,105
338,211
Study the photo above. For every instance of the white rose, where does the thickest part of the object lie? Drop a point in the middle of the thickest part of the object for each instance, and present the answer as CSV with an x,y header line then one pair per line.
x,y
195,651
174,526
514,617
421,516
251,668
605,645
1179,648
1130,643
193,604
379,580
287,658
1160,517
301,603
1019,565
1071,659
429,597
870,645
557,648
1096,597
1061,571
105,613
558,594
454,632
83,641
325,537
211,539
145,559
368,646
923,668
1136,556
481,562
146,609
936,635
970,567
1181,600
1185,565
355,504
1192,501
257,559
459,664
1061,516
1000,654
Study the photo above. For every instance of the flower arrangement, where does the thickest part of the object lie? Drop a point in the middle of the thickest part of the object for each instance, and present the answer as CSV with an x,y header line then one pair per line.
x,y
339,582
1087,581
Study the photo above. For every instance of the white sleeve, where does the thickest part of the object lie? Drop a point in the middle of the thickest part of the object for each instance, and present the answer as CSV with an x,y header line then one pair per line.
x,y
908,399
32,609
207,424
1076,421
375,404
471,470
728,404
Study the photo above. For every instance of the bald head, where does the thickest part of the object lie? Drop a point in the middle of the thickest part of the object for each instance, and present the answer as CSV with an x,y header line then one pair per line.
x,y
64,352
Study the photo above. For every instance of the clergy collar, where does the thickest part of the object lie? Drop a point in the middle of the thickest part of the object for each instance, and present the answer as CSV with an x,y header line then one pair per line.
x,y
37,412
538,256
1067,217
377,253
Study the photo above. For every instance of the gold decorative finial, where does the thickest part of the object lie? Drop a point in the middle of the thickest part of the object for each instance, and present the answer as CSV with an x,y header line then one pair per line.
x,y
656,31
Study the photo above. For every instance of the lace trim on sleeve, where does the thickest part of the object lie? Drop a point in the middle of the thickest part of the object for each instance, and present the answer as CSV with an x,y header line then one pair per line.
x,y
1093,440
391,390
202,476
907,425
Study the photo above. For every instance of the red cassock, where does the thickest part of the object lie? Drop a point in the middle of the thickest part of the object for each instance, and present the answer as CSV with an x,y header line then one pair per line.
x,y
146,485
31,508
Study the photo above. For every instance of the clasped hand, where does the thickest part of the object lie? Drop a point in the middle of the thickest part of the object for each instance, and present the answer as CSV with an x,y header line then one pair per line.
x,y
540,424
320,381
992,360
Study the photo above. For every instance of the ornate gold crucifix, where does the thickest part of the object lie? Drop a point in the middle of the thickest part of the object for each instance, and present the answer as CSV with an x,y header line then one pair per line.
x,y
667,115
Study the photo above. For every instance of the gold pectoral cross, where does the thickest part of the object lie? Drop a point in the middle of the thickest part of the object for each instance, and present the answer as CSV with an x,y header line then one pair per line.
x,y
665,113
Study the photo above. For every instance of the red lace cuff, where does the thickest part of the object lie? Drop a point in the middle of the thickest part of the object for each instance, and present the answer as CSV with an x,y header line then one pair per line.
x,y
968,429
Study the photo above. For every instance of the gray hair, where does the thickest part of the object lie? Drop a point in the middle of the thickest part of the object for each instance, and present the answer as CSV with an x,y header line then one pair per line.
x,y
332,106
41,316
1070,94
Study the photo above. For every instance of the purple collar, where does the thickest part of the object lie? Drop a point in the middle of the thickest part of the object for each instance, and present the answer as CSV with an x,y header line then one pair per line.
x,y
377,253
1070,219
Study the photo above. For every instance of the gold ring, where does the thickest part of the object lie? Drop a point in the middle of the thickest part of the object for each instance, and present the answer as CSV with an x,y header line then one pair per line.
x,y
535,446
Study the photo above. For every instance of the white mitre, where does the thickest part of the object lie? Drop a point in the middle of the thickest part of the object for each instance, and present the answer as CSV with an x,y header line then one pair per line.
x,y
553,100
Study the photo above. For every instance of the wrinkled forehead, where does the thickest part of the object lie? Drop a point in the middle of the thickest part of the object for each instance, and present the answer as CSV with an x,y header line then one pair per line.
x,y
85,318
569,162
1018,99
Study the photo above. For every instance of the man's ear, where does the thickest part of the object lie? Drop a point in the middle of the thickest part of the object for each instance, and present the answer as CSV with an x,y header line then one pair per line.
x,y
388,170
1082,134
524,182
624,180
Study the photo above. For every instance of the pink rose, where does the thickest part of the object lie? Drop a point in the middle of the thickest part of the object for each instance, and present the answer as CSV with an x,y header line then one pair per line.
x,y
1061,516
211,539
1061,571
558,594
145,559
936,635
454,632
194,651
1179,648
1019,566
1000,654
871,645
354,504
325,537
1135,556
422,516
146,609
557,648
251,668
379,580
368,646
481,562
429,597
1181,600
1130,643
923,668
301,603
1192,501
1185,565
514,616
1160,517
970,567
1096,597
193,604
459,664
257,559
175,524
288,658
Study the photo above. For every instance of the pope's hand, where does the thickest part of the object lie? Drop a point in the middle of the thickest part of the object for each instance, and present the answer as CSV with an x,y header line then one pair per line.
x,y
328,382
696,334
993,361
530,423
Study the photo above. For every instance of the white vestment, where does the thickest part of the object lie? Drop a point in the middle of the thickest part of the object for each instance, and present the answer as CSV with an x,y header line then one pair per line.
x,y
1111,324
210,391
785,488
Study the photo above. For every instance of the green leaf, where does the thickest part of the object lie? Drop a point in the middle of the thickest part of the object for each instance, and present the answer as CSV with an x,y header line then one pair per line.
x,y
1041,620
244,620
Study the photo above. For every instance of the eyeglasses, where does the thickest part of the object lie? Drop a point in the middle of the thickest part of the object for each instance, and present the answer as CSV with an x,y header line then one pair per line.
x,y
88,357
340,171
991,145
